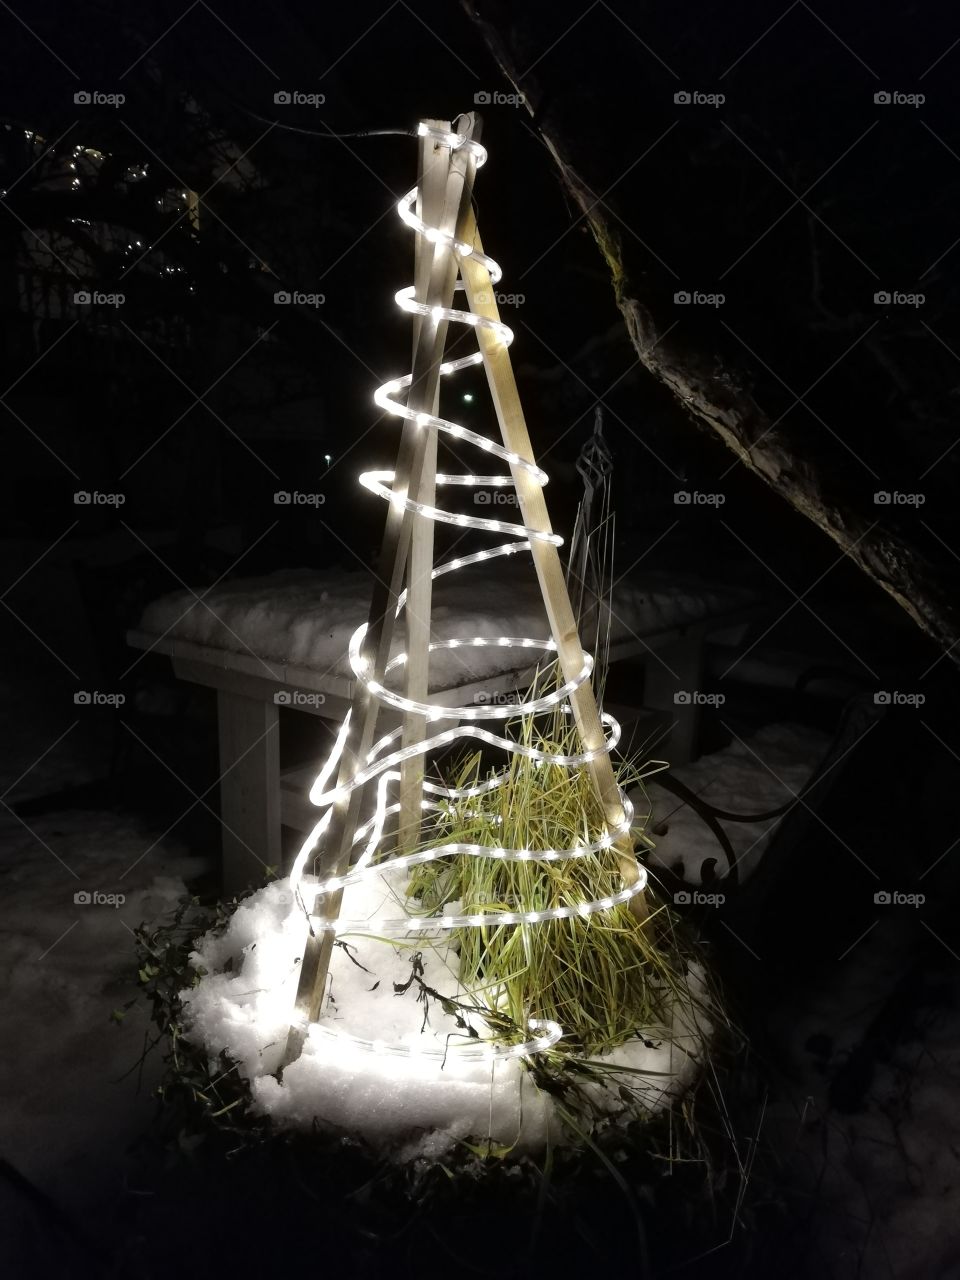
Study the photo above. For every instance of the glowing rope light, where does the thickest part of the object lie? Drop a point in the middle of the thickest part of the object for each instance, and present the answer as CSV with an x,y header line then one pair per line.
x,y
335,883
402,926
485,1052
383,758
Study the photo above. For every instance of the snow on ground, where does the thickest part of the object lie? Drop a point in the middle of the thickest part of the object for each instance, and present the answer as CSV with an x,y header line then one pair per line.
x,y
66,962
70,1106
883,1179
43,754
431,1103
893,1169
754,776
881,1175
306,618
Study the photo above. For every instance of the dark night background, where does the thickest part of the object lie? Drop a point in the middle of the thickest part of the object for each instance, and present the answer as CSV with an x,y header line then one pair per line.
x,y
799,198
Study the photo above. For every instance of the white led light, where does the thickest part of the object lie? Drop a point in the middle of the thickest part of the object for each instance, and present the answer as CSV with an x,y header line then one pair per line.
x,y
382,761
471,1052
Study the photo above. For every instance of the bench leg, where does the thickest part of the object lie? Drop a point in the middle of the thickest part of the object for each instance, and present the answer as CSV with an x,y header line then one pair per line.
x,y
679,677
249,789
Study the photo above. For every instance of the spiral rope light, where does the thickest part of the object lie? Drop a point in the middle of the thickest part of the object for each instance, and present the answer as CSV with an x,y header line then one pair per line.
x,y
387,754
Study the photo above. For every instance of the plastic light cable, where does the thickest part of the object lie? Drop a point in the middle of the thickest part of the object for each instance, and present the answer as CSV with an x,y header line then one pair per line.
x,y
387,753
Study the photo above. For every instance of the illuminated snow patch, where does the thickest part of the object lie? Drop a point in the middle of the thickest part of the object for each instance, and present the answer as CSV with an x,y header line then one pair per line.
x,y
411,1105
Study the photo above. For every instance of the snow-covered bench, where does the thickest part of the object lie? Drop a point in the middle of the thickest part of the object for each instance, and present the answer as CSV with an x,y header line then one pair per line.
x,y
281,641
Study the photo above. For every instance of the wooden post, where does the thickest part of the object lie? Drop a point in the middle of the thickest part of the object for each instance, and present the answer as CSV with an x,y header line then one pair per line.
x,y
249,788
533,510
434,168
333,855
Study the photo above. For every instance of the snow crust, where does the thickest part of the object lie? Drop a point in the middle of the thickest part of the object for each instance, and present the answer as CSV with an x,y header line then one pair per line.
x,y
305,618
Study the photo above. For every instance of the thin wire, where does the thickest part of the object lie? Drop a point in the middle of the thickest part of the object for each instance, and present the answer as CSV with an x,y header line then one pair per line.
x,y
316,133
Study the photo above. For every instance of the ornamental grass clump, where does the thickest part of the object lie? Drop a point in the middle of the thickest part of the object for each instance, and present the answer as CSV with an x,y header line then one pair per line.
x,y
603,977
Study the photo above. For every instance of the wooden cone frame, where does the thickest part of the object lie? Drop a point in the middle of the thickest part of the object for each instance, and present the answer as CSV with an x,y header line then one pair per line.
x,y
445,185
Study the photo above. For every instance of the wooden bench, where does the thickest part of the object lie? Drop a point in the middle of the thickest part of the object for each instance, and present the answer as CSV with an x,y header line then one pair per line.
x,y
256,798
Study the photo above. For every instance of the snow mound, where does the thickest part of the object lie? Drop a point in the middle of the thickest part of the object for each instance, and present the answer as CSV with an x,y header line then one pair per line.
x,y
408,1107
